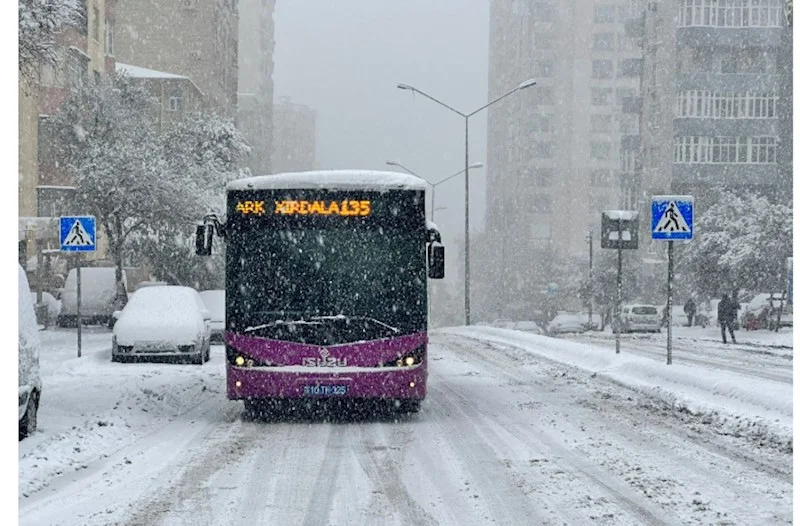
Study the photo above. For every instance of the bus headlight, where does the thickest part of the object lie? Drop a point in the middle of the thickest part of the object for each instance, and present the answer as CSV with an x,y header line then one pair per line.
x,y
410,359
239,361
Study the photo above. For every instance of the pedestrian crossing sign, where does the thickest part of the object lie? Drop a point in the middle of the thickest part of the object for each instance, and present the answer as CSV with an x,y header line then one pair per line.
x,y
78,234
672,217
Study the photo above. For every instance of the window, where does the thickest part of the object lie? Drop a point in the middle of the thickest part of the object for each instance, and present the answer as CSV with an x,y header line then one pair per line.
x,y
630,67
599,177
603,42
96,77
628,160
542,204
604,14
726,105
701,150
542,149
601,123
109,37
544,69
542,12
176,100
602,69
77,69
96,16
731,13
601,96
601,151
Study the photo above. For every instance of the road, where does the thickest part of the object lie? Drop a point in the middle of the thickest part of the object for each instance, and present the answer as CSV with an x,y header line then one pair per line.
x,y
504,437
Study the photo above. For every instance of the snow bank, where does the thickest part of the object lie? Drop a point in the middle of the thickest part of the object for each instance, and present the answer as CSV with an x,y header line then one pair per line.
x,y
744,404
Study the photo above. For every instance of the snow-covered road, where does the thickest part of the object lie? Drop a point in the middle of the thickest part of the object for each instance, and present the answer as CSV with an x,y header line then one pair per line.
x,y
507,435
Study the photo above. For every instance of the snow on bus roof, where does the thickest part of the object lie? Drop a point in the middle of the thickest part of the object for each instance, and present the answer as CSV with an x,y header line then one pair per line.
x,y
331,180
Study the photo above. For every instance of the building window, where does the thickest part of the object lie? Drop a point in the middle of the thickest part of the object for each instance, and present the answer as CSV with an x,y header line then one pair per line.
x,y
544,69
603,42
724,150
604,14
601,151
628,161
731,13
176,100
601,96
602,69
601,123
109,37
77,69
599,177
726,105
542,12
630,67
542,204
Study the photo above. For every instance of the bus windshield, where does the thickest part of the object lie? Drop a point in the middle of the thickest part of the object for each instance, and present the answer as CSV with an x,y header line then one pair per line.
x,y
327,286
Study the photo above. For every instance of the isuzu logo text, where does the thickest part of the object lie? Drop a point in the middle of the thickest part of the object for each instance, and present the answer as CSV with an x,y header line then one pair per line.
x,y
324,360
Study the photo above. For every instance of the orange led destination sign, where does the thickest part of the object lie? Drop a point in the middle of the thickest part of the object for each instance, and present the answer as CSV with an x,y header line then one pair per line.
x,y
323,208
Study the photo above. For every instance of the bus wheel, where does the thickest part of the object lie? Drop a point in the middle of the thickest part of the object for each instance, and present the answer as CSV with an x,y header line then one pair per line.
x,y
410,406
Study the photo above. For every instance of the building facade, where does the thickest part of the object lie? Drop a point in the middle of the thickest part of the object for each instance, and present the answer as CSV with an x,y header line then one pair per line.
x,y
717,105
194,38
561,152
294,137
254,112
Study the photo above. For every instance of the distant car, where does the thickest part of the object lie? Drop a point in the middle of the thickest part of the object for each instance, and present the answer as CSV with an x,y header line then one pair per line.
x,y
640,318
527,326
214,300
566,323
30,383
53,306
170,322
503,323
759,314
98,296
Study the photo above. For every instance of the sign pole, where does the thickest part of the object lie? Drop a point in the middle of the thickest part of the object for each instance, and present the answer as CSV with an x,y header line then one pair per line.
x,y
618,313
669,301
78,272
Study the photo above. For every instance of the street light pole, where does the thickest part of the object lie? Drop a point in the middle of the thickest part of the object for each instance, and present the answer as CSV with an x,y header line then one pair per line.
x,y
526,84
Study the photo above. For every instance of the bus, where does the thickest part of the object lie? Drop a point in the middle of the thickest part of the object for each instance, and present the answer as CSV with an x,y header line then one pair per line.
x,y
326,287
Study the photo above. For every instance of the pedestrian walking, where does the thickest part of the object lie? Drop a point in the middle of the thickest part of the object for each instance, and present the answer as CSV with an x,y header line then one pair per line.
x,y
726,314
690,309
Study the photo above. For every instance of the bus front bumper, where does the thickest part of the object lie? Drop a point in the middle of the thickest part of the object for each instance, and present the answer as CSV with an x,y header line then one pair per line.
x,y
258,383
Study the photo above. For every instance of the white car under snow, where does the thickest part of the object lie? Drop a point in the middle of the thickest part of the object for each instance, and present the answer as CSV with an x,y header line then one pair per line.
x,y
170,322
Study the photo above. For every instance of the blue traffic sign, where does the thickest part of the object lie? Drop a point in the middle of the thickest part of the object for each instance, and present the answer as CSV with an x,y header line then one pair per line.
x,y
672,217
78,234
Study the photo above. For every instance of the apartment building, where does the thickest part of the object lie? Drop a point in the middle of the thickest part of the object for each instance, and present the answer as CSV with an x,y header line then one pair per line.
x,y
561,152
254,112
294,129
194,38
717,97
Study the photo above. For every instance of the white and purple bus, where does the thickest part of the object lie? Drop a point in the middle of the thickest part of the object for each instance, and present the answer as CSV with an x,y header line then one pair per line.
x,y
326,286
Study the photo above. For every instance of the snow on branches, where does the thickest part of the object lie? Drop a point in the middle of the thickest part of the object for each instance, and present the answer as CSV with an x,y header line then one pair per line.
x,y
39,21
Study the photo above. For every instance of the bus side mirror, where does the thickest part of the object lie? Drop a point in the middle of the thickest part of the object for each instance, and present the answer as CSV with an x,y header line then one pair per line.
x,y
203,240
436,261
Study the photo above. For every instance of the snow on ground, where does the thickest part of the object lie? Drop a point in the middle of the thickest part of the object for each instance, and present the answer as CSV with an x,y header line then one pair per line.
x,y
91,407
750,406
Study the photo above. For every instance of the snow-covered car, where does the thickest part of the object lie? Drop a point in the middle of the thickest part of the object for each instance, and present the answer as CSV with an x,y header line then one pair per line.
x,y
640,318
527,326
503,323
98,296
30,383
163,322
214,300
762,312
53,306
567,322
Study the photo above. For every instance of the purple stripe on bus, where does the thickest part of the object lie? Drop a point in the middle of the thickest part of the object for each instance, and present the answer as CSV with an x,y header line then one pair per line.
x,y
360,354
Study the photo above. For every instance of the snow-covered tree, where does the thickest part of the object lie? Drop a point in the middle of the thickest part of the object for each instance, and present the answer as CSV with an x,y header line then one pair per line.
x,y
39,21
120,172
740,242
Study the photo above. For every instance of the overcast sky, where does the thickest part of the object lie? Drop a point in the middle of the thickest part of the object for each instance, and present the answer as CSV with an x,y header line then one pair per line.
x,y
345,59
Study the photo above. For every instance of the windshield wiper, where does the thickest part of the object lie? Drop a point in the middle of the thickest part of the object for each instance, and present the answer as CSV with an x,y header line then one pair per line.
x,y
343,317
279,322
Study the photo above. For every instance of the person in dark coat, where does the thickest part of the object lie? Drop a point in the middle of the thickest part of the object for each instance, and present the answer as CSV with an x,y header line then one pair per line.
x,y
689,308
726,314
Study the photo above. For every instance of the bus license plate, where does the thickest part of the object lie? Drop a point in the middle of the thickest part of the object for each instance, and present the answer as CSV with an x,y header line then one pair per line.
x,y
324,390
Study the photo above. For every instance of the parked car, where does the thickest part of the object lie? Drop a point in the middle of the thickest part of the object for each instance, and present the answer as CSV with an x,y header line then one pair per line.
x,y
565,322
640,318
30,383
163,322
99,296
503,323
762,312
214,300
527,326
53,306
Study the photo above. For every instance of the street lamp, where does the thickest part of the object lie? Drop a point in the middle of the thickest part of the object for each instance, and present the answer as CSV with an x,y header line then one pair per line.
x,y
522,85
433,185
